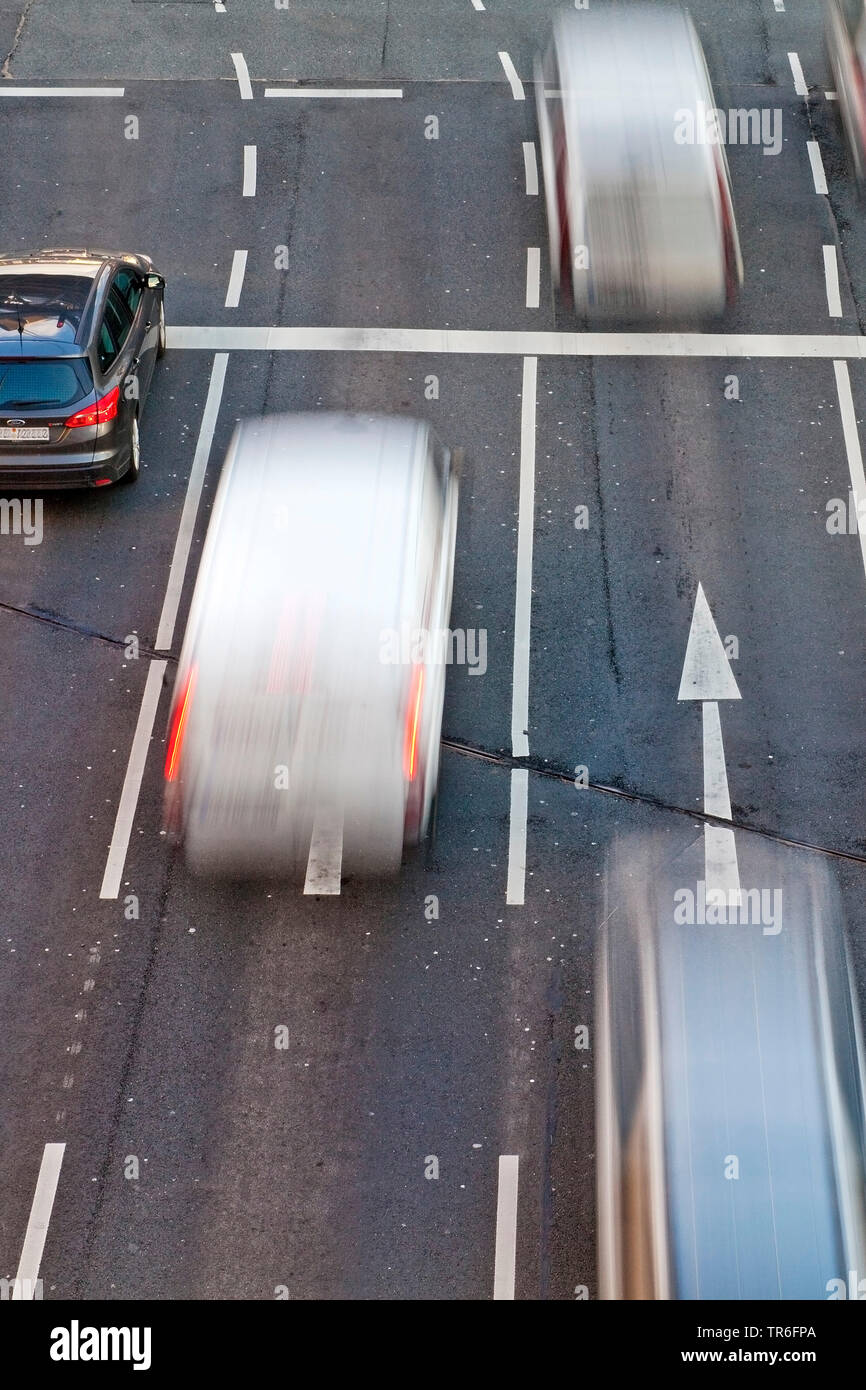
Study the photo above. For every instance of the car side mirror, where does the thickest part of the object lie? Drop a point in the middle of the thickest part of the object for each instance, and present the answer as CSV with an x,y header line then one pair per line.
x,y
155,282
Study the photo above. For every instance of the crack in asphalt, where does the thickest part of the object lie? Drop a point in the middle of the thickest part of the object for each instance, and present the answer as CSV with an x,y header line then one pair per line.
x,y
471,750
51,619
508,761
5,70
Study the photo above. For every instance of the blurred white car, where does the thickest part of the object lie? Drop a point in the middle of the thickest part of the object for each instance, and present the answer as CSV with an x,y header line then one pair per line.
x,y
730,1080
846,46
296,719
640,220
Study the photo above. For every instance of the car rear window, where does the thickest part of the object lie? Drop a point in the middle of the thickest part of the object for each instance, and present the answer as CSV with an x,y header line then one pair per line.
x,y
41,383
48,305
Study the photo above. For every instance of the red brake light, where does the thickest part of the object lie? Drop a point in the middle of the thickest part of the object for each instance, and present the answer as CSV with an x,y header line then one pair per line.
x,y
104,409
178,727
413,719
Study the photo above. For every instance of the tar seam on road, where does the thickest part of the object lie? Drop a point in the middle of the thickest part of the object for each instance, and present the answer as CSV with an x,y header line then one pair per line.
x,y
700,818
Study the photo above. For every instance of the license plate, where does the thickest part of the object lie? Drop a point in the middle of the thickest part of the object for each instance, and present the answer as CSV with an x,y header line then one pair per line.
x,y
32,434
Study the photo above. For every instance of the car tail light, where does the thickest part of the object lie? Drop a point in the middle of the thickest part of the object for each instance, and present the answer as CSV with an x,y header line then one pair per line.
x,y
177,728
104,409
413,720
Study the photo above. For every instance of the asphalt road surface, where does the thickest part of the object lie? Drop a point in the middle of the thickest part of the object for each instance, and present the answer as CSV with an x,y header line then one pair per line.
x,y
263,1093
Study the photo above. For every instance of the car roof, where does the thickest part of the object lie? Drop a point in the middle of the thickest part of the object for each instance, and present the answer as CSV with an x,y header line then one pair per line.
x,y
625,73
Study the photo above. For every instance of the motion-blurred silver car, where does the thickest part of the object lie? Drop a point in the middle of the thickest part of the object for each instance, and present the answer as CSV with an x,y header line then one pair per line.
x,y
637,189
731,1143
308,702
846,46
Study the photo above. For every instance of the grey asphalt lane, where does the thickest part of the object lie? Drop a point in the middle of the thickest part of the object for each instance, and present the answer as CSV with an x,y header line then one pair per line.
x,y
428,1025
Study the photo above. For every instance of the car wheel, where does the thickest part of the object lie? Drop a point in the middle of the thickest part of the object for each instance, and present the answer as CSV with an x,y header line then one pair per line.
x,y
131,474
160,347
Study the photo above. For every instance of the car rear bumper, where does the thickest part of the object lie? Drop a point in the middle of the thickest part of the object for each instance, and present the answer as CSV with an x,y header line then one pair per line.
x,y
79,470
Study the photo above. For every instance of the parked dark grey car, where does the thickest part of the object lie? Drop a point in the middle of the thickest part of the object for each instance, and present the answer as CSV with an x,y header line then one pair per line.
x,y
80,331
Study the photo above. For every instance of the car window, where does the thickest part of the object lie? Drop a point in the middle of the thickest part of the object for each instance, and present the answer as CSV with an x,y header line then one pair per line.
x,y
129,286
107,349
40,384
118,317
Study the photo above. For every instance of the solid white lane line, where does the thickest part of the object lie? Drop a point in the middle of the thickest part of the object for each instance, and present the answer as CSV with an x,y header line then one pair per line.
x,y
523,587
325,861
506,1227
832,96
61,91
477,5
176,574
530,166
516,883
249,171
852,448
132,782
533,276
516,343
800,86
334,92
717,800
243,75
37,1226
818,176
831,280
236,279
513,80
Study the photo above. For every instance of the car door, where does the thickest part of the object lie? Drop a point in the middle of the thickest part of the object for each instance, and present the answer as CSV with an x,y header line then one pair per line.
x,y
143,306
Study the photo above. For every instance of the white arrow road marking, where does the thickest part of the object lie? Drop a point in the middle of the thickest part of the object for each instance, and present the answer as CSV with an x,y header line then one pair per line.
x,y
720,850
707,673
717,802
707,676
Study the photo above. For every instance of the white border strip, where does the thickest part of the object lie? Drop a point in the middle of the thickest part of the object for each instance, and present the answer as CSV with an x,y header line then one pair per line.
x,y
177,572
242,73
132,782
819,178
515,888
800,84
250,161
530,168
515,343
61,91
505,1265
831,280
513,80
326,93
37,1225
523,586
236,279
533,276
